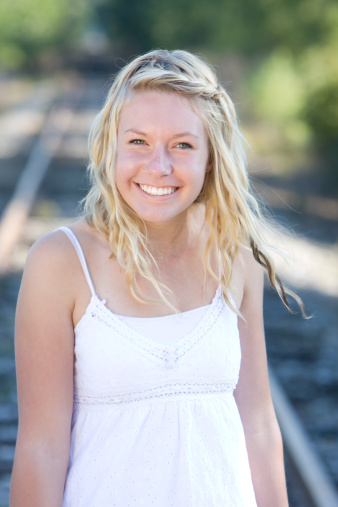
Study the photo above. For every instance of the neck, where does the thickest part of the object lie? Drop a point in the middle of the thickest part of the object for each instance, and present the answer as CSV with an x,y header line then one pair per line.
x,y
171,239
167,240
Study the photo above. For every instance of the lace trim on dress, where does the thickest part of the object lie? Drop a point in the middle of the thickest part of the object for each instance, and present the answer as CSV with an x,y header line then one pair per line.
x,y
226,386
169,355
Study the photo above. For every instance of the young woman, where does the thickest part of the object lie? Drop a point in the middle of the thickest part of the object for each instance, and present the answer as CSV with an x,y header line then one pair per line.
x,y
141,363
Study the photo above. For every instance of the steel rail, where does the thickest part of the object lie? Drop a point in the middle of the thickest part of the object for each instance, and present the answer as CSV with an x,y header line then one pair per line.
x,y
316,482
17,210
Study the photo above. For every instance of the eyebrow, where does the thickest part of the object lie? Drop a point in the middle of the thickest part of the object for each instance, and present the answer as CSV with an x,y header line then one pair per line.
x,y
181,134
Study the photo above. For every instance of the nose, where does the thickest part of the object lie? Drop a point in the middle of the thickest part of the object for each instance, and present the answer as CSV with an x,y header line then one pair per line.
x,y
159,162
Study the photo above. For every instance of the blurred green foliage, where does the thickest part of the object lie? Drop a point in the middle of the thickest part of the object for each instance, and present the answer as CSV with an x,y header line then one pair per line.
x,y
30,27
243,25
207,24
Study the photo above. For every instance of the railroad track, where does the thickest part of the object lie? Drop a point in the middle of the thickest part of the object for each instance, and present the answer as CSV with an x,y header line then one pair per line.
x,y
45,194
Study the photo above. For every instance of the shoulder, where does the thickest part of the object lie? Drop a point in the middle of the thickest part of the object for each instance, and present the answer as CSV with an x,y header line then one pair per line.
x,y
247,277
253,271
51,267
55,250
50,253
53,261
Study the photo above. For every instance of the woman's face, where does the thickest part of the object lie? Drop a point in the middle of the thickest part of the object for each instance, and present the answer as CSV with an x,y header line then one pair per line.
x,y
162,155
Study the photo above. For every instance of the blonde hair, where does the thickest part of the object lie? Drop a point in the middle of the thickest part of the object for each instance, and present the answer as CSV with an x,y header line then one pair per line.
x,y
231,210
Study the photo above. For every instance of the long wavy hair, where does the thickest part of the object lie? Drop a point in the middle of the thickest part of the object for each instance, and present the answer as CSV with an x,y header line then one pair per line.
x,y
232,212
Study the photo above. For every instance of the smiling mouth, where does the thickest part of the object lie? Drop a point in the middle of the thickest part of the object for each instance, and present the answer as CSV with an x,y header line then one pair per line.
x,y
157,190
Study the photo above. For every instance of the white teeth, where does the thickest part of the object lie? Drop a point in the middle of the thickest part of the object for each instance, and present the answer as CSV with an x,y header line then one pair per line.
x,y
157,190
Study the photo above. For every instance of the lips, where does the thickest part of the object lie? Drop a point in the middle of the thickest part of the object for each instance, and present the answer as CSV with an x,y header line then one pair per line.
x,y
150,190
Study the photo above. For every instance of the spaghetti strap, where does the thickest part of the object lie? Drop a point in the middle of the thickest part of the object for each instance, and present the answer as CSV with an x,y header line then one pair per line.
x,y
80,255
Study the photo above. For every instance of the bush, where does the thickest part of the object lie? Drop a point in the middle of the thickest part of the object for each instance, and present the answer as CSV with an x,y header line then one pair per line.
x,y
29,27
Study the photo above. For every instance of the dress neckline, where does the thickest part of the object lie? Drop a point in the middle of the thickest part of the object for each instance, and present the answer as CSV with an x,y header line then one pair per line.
x,y
168,354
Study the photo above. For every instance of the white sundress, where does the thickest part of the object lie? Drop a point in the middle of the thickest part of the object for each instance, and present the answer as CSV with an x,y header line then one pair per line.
x,y
156,424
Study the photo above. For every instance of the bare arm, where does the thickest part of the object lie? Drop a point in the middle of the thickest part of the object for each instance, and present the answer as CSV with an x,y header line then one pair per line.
x,y
262,434
44,344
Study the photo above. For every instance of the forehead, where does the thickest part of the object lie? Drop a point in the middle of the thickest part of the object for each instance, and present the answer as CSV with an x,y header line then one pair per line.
x,y
155,109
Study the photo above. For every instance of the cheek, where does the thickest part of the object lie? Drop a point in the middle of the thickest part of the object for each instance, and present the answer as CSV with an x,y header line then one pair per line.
x,y
128,162
124,169
121,174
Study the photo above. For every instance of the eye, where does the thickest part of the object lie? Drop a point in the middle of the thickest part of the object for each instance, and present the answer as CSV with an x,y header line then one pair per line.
x,y
136,141
184,146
